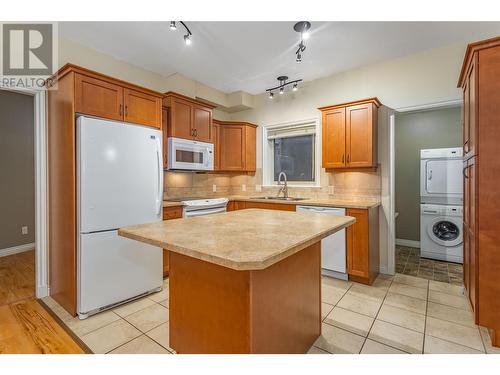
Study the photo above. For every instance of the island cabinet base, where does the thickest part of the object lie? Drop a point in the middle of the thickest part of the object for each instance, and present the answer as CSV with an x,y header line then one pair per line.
x,y
214,309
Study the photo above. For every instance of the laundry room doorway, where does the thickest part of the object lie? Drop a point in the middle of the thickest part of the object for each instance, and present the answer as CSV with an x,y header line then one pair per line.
x,y
422,224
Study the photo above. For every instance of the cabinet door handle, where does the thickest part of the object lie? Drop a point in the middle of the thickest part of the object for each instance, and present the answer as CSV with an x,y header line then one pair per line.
x,y
121,110
464,172
466,146
126,110
195,132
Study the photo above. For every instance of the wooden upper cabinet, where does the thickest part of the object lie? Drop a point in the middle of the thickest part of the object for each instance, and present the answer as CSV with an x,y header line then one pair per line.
x,y
361,136
202,123
98,98
334,138
235,146
350,134
164,117
141,108
180,119
188,118
215,141
469,110
105,97
232,147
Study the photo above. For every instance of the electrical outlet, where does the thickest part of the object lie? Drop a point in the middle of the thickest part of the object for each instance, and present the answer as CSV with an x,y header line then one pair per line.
x,y
258,188
214,188
24,230
331,190
243,187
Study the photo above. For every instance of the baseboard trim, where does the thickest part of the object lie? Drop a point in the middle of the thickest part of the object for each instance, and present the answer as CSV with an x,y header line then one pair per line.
x,y
42,291
409,243
17,249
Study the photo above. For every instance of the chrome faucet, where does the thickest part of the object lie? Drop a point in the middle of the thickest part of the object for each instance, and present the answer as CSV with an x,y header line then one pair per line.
x,y
284,187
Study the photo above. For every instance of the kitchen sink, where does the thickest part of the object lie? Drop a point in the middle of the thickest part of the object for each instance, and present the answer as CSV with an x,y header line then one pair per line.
x,y
274,198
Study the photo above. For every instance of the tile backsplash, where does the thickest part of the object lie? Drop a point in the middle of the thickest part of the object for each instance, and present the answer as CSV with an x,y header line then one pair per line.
x,y
344,184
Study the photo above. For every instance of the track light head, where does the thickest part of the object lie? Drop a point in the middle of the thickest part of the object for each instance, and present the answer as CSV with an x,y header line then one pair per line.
x,y
295,88
187,39
299,58
173,26
282,90
271,95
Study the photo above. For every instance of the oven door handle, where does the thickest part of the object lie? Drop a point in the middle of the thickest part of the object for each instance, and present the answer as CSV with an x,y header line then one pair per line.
x,y
202,212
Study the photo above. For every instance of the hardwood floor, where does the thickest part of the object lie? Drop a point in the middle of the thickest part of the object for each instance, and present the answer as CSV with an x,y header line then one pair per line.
x,y
25,326
17,277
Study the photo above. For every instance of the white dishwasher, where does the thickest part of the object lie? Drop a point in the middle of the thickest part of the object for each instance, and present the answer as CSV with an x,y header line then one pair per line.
x,y
333,250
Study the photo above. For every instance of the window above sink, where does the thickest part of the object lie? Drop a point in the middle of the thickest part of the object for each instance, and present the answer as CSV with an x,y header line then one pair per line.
x,y
293,148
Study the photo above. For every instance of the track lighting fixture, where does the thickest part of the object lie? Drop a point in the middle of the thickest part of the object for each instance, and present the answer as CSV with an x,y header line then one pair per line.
x,y
302,27
282,85
187,36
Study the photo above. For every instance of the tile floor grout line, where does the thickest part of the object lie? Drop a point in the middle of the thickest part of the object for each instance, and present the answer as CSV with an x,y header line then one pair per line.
x,y
95,329
454,343
125,343
375,318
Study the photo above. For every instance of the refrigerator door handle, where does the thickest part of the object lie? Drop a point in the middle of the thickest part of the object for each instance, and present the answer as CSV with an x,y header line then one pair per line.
x,y
159,197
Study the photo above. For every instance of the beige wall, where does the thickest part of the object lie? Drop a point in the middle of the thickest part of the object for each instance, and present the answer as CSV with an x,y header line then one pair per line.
x,y
17,187
423,78
415,131
71,52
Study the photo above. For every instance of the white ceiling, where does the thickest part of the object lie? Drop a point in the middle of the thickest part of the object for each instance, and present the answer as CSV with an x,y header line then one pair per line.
x,y
248,56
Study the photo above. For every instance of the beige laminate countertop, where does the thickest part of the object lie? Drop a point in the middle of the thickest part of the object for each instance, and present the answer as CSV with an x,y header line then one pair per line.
x,y
325,202
250,239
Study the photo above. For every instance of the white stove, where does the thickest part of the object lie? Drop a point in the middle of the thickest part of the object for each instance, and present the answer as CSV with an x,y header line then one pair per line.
x,y
203,206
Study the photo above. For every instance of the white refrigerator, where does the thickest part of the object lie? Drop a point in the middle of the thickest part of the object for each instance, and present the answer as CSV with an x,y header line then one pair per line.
x,y
119,183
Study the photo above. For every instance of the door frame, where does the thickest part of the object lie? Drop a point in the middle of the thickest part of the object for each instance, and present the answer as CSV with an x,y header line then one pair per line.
x,y
41,190
391,254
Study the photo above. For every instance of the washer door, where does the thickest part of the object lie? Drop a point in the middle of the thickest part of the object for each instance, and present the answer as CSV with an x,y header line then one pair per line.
x,y
445,231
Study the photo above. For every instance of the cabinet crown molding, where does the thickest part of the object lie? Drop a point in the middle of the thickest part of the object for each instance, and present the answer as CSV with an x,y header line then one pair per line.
x,y
68,68
170,94
220,122
469,52
373,100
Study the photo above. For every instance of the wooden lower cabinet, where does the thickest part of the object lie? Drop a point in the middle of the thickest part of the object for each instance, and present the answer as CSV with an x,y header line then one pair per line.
x,y
169,213
240,205
362,245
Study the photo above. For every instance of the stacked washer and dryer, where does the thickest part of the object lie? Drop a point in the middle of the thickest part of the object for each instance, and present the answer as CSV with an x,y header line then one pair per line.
x,y
441,204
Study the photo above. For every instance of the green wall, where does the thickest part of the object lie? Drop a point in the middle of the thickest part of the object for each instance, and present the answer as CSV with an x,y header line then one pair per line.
x,y
415,131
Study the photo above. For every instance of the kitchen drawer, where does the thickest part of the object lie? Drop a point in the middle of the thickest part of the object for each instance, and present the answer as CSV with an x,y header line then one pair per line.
x,y
170,213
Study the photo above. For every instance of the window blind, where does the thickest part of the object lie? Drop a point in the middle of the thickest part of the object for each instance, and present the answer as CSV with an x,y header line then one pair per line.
x,y
287,131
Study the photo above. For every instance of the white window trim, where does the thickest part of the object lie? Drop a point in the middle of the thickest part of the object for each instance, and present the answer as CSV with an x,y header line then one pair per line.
x,y
268,155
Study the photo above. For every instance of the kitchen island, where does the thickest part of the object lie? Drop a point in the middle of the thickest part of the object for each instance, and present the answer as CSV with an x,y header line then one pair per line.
x,y
245,281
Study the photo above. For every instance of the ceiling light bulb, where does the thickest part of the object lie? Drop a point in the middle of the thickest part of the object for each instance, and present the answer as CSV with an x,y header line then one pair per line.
x,y
305,35
173,26
271,95
281,90
187,40
295,88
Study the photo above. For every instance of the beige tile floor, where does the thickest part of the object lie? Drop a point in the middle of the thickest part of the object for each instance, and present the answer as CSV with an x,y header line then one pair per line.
x,y
400,314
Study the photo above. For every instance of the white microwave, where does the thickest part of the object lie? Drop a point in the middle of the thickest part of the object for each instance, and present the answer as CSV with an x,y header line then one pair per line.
x,y
184,154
